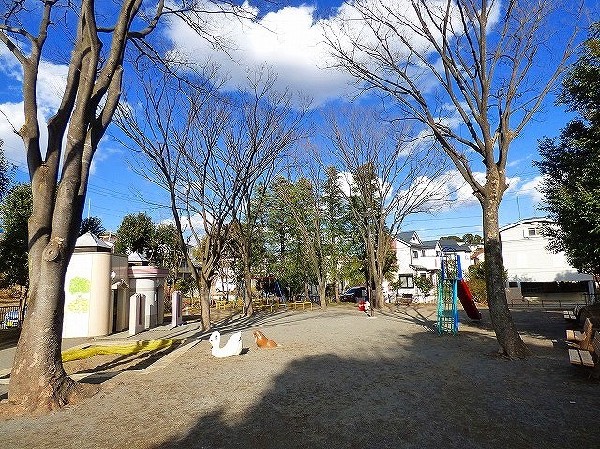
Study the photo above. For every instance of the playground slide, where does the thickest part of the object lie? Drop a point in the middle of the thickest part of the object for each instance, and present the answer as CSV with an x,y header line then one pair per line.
x,y
466,299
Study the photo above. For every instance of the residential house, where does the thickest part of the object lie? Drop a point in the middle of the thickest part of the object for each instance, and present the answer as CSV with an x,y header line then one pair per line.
x,y
533,270
417,258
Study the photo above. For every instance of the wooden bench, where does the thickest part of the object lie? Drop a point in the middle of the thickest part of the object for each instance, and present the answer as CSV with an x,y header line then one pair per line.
x,y
581,353
583,338
404,300
586,357
223,304
274,305
571,315
300,303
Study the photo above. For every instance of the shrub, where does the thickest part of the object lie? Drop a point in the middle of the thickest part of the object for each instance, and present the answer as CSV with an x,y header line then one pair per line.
x,y
424,284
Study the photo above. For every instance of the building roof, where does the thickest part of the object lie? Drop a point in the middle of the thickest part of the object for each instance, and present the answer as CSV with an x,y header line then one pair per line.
x,y
136,258
453,246
89,242
406,236
428,244
527,221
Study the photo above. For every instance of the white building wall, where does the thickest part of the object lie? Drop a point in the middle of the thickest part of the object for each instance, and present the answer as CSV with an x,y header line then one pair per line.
x,y
403,258
527,260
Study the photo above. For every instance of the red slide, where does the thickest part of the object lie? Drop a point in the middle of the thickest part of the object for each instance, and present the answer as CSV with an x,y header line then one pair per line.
x,y
466,299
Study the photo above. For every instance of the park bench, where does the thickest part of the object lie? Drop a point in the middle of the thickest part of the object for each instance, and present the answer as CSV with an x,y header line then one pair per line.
x,y
571,315
300,302
274,305
223,304
405,299
583,338
581,352
589,358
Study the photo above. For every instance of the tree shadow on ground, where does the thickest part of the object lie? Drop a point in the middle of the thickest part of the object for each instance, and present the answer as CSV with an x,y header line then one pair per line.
x,y
431,391
9,338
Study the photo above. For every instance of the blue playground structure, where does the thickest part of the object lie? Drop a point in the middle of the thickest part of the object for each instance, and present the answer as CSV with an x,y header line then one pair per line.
x,y
450,273
452,287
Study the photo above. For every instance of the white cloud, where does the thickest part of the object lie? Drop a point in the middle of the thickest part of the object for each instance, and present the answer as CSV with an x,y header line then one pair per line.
x,y
196,220
11,119
531,189
346,184
51,85
289,41
52,80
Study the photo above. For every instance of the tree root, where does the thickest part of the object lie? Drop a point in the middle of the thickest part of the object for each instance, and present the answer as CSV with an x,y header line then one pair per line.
x,y
64,391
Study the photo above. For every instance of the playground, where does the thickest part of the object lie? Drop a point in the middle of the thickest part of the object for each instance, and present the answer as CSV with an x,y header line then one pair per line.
x,y
341,380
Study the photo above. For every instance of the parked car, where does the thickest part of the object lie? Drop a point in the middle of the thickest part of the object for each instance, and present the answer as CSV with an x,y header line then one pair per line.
x,y
354,294
11,319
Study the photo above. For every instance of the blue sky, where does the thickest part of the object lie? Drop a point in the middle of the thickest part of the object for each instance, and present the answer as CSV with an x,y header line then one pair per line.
x,y
288,39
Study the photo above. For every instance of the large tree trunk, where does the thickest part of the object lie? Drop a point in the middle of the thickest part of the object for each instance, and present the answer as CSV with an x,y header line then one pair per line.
x,y
38,354
321,288
205,286
504,327
38,380
248,304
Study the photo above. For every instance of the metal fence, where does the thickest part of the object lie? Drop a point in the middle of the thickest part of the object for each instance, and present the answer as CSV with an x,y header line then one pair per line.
x,y
554,302
10,317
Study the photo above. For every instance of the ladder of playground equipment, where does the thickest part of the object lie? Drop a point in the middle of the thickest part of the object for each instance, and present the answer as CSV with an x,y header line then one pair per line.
x,y
448,294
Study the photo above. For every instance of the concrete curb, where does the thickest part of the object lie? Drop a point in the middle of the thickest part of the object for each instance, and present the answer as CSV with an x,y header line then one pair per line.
x,y
156,366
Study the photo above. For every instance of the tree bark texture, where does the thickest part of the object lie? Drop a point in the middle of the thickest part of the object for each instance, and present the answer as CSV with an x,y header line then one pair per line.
x,y
38,379
504,327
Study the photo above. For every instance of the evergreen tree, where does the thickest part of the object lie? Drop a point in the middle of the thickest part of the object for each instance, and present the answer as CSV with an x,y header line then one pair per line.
x,y
135,234
93,225
15,210
570,165
6,171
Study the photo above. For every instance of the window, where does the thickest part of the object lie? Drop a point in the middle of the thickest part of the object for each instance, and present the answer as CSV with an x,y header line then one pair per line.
x,y
438,253
415,254
423,252
531,232
513,284
405,281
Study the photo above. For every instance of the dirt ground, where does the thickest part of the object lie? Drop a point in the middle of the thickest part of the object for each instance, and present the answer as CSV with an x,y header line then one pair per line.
x,y
340,380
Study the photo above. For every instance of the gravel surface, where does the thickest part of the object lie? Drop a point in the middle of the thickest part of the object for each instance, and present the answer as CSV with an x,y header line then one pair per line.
x,y
340,380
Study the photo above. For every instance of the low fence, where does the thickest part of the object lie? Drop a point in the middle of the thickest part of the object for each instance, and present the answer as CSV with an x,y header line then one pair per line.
x,y
553,301
10,317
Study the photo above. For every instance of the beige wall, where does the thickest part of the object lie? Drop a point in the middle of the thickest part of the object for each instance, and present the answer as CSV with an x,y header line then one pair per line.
x,y
88,298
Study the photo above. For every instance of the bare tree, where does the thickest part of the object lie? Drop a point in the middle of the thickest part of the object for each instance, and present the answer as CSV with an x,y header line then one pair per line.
x,y
159,125
388,176
59,176
474,73
270,124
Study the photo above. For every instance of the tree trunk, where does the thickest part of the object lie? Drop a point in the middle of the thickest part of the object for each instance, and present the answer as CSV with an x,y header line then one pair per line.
x,y
205,286
377,293
322,298
38,354
248,304
504,327
39,381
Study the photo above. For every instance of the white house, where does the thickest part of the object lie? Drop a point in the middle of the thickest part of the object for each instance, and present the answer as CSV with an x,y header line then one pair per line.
x,y
535,271
417,258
